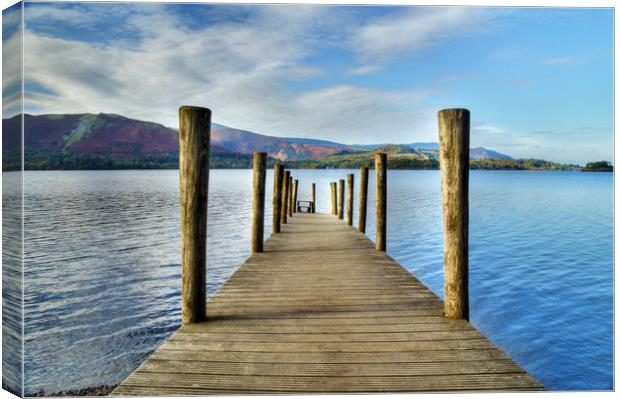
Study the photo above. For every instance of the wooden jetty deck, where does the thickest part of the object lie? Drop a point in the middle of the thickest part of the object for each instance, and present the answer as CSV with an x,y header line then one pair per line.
x,y
320,310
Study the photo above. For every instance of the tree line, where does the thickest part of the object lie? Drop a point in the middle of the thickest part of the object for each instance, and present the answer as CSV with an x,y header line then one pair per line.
x,y
58,160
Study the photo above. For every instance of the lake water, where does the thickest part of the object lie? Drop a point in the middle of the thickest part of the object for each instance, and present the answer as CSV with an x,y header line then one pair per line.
x,y
102,274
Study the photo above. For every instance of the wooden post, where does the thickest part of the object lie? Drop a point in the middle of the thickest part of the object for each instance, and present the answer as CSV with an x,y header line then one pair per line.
x,y
313,210
332,187
194,143
285,189
278,175
295,184
361,219
341,199
454,165
258,200
381,200
350,179
290,196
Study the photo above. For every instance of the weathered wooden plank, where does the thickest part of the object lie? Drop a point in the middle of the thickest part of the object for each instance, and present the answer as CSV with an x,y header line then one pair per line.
x,y
332,321
464,355
320,310
241,327
416,336
336,383
208,368
175,391
326,314
350,346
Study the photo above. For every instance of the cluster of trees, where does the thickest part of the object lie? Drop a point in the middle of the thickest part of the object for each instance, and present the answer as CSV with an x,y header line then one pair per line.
x,y
366,159
355,161
58,160
599,166
519,164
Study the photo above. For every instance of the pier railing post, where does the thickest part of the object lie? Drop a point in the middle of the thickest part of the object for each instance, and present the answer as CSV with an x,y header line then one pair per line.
x,y
361,219
194,143
454,165
341,199
278,175
313,198
290,196
295,186
350,180
258,200
285,190
332,187
381,200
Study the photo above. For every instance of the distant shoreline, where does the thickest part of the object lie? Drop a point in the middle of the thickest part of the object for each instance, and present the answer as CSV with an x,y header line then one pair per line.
x,y
295,168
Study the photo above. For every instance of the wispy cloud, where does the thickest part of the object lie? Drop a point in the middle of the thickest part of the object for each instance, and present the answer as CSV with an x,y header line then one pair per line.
x,y
562,60
290,70
364,70
240,70
452,77
11,62
408,32
496,137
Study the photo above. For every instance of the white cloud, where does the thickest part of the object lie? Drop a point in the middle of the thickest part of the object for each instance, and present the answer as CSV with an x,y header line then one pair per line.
x,y
11,64
239,70
416,29
364,70
11,18
562,60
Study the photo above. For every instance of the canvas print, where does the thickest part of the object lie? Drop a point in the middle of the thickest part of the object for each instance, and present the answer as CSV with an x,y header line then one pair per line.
x,y
204,199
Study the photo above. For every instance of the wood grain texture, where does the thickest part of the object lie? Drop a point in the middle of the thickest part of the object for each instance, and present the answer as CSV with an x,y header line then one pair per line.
x,y
278,176
289,196
454,165
320,310
259,174
194,144
341,199
285,192
350,193
295,184
381,201
313,198
334,192
362,209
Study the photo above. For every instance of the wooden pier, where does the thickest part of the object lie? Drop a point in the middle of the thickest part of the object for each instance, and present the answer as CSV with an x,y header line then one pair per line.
x,y
320,310
318,307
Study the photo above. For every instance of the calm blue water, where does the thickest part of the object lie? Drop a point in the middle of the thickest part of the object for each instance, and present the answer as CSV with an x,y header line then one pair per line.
x,y
102,278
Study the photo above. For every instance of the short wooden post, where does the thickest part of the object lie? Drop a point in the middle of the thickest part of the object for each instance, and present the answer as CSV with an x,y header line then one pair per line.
x,y
381,200
454,165
361,219
285,190
278,175
194,143
332,187
258,200
313,210
350,179
290,196
295,186
341,199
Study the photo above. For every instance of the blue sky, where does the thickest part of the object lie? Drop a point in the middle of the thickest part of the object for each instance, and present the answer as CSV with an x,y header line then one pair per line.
x,y
538,81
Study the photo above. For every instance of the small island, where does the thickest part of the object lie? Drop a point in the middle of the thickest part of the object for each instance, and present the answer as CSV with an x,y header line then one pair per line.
x,y
600,166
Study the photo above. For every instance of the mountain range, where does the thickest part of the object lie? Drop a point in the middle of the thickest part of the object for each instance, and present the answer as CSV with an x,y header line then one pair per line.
x,y
118,137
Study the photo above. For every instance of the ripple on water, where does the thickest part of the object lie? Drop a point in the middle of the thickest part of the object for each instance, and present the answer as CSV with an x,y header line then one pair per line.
x,y
103,267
